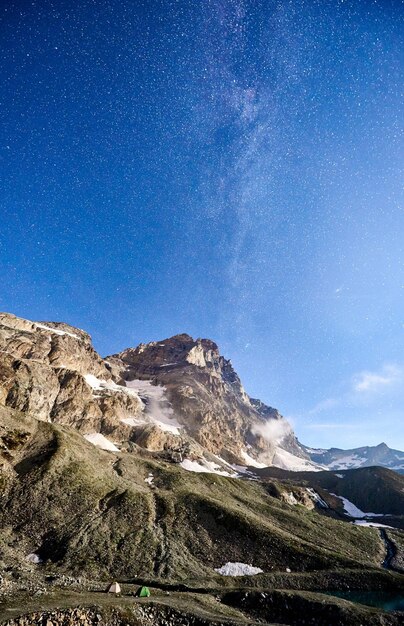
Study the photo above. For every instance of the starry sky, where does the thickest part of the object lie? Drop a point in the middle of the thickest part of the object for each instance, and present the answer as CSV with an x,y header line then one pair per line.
x,y
227,168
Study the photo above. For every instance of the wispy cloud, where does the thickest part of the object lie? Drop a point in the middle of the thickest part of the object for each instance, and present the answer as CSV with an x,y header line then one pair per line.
x,y
363,385
372,382
273,430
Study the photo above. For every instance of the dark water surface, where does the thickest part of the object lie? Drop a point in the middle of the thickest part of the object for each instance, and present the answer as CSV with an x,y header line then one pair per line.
x,y
379,599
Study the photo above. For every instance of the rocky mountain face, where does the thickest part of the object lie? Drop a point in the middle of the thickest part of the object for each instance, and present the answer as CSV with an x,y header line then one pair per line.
x,y
161,395
208,399
367,495
367,456
48,372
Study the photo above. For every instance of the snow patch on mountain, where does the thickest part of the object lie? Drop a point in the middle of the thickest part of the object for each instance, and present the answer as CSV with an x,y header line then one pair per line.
x,y
352,510
337,459
347,462
157,407
202,466
101,442
317,498
108,385
238,569
287,461
359,522
315,450
250,461
133,421
55,330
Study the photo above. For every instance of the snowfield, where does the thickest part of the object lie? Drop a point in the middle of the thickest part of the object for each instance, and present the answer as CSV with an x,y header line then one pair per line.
x,y
238,569
99,385
133,421
158,409
287,461
358,522
250,461
101,442
353,510
204,467
347,462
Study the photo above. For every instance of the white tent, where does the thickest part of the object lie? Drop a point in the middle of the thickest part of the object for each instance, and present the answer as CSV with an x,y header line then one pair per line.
x,y
114,588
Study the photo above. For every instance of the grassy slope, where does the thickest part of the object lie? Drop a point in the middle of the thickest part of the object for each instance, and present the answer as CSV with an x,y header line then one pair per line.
x,y
89,512
204,607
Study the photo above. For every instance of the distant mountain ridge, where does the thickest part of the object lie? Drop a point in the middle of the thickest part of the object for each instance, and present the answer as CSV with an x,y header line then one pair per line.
x,y
366,456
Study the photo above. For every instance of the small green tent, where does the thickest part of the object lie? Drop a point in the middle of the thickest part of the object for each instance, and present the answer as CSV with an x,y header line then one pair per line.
x,y
143,592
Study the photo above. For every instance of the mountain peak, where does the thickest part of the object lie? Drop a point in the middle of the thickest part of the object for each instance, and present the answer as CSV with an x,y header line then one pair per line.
x,y
185,340
181,349
181,337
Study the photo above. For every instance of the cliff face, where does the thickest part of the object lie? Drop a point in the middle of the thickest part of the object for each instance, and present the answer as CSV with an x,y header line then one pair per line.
x,y
207,397
157,396
48,371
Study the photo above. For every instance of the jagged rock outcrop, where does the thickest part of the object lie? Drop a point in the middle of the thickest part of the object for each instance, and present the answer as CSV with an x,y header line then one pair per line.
x,y
54,343
48,371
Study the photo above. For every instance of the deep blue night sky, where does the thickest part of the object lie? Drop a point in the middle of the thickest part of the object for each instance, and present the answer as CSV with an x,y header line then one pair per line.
x,y
227,168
